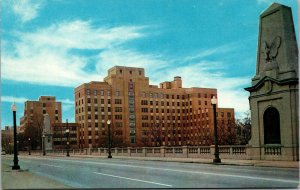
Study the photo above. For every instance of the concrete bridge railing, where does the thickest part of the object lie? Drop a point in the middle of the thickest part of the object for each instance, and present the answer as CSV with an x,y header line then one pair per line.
x,y
228,152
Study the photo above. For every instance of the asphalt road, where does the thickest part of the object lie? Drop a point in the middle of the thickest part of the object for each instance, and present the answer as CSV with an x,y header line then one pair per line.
x,y
128,173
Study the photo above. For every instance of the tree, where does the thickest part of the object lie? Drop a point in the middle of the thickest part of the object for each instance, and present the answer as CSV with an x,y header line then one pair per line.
x,y
243,128
34,131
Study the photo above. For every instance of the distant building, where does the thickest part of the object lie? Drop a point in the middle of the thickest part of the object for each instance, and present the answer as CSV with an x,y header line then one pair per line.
x,y
60,136
143,114
32,123
34,111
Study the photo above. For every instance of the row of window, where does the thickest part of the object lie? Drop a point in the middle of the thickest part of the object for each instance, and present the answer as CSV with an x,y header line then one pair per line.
x,y
173,96
151,95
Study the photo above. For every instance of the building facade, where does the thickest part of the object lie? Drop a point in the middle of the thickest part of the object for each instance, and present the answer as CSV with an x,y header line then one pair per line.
x,y
143,114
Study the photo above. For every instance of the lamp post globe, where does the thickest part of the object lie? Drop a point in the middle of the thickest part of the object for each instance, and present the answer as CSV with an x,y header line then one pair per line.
x,y
109,140
16,165
214,104
44,151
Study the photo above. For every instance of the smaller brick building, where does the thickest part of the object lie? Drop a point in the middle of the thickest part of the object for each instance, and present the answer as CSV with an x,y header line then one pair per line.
x,y
60,136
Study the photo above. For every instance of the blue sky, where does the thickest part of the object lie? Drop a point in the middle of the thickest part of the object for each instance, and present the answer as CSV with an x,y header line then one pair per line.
x,y
51,47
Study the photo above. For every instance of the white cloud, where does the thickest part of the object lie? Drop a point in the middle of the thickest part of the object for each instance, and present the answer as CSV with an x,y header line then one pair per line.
x,y
43,57
66,101
13,99
129,58
26,9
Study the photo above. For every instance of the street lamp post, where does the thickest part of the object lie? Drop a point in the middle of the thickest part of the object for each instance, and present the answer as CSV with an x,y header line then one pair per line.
x,y
29,146
109,140
68,135
216,159
16,165
44,151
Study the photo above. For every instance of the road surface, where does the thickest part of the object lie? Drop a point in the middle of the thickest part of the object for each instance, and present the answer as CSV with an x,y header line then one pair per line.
x,y
129,173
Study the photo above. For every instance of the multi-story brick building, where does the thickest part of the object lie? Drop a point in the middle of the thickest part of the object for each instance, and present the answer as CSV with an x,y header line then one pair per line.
x,y
33,120
143,114
35,110
60,135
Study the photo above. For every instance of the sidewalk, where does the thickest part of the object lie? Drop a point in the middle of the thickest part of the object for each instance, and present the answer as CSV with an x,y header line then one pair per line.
x,y
24,179
261,163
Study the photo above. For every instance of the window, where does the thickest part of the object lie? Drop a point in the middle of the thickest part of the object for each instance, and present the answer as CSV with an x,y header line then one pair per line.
x,y
95,92
56,112
150,95
88,100
205,103
199,95
117,93
118,124
144,117
88,91
228,114
199,102
130,72
118,109
205,95
161,95
95,101
144,124
162,103
156,95
89,108
222,114
145,110
118,117
121,71
151,103
108,93
140,72
102,101
118,101
144,102
102,92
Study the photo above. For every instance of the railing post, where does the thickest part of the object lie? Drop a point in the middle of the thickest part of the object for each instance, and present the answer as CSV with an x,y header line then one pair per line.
x,y
212,150
185,151
162,151
128,151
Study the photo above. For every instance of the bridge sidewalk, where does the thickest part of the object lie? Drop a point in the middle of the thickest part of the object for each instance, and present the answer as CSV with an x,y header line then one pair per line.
x,y
24,179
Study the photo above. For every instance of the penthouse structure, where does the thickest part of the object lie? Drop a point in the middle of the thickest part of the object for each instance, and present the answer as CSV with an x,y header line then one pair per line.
x,y
143,114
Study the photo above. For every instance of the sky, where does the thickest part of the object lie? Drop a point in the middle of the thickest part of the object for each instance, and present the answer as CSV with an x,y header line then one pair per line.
x,y
50,47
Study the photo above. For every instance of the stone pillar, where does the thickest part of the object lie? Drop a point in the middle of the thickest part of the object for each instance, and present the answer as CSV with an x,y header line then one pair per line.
x,y
185,151
162,151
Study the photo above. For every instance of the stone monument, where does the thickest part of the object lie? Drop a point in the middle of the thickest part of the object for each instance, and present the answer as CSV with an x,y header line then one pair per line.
x,y
274,93
47,133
